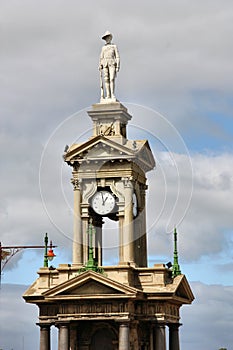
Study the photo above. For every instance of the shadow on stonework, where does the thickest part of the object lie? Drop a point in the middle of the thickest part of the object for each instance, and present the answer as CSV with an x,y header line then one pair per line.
x,y
103,339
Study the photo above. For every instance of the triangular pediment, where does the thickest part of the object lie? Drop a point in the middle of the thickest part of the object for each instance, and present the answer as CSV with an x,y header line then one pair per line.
x,y
99,147
90,285
145,156
183,290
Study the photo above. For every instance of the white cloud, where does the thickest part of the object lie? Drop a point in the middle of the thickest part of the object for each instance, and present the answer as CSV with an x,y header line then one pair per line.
x,y
208,322
206,228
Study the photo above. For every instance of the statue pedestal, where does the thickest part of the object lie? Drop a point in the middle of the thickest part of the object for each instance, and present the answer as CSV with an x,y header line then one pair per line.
x,y
110,119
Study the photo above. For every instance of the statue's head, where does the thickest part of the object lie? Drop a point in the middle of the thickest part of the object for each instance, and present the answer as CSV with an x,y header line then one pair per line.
x,y
107,36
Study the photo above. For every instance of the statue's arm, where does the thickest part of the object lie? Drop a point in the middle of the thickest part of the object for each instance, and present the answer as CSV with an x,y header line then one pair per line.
x,y
101,59
117,58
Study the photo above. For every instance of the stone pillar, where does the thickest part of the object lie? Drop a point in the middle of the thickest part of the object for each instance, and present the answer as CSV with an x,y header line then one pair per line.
x,y
77,239
121,240
174,343
128,243
143,226
63,337
124,336
160,337
44,336
151,347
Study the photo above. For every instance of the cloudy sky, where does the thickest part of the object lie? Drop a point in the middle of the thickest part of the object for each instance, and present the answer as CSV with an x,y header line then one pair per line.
x,y
176,81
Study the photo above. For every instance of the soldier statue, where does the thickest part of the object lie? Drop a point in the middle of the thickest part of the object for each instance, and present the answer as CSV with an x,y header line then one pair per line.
x,y
110,65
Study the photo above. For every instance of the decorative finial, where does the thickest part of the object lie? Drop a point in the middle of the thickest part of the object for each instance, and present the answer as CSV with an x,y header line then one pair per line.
x,y
176,267
109,63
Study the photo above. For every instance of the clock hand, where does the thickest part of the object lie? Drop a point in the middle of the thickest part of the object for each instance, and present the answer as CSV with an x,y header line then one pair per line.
x,y
106,197
102,198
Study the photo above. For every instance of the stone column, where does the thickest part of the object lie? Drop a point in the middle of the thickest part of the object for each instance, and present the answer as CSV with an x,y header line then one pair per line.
x,y
77,239
44,336
143,226
151,347
121,240
124,336
63,337
128,238
174,343
160,337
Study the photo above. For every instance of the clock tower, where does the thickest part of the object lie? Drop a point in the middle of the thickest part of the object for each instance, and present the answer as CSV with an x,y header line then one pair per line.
x,y
128,305
109,179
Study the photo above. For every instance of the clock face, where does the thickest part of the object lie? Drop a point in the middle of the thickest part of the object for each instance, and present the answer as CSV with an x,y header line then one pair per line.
x,y
135,205
103,202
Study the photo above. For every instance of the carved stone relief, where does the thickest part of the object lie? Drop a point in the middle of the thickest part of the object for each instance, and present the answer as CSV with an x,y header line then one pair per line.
x,y
89,190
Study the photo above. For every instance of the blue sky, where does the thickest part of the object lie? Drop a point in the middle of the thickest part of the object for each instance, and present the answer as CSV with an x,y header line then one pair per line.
x,y
175,79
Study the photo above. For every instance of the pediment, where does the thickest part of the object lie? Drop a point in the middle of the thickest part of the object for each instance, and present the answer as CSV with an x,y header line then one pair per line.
x,y
183,290
145,156
98,147
90,285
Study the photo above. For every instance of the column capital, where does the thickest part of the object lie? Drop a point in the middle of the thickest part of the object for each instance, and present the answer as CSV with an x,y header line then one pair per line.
x,y
174,325
44,324
59,324
160,324
128,182
76,183
125,321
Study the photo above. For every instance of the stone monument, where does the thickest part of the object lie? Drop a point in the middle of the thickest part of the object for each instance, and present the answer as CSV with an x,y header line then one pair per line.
x,y
129,305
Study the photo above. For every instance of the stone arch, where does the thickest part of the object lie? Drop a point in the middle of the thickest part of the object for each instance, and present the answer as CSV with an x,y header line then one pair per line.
x,y
104,337
91,333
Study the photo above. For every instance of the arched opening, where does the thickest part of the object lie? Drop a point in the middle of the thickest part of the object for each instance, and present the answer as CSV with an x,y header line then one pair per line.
x,y
103,339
